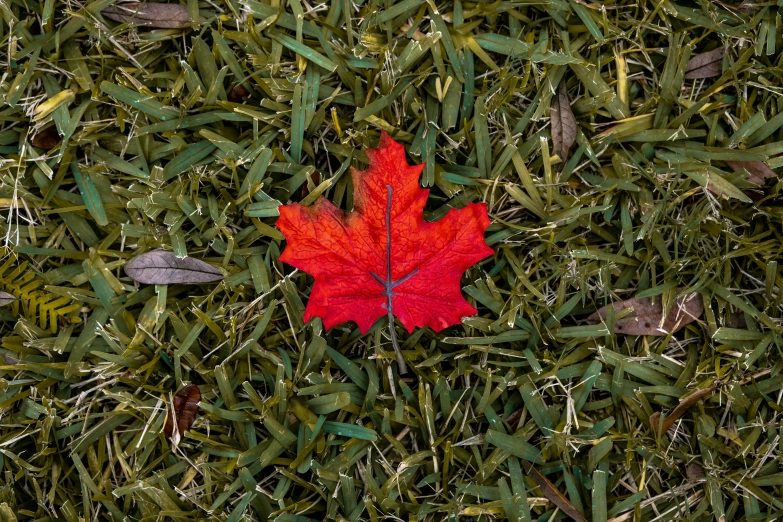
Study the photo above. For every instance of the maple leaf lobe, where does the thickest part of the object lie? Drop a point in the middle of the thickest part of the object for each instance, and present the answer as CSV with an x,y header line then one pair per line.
x,y
383,252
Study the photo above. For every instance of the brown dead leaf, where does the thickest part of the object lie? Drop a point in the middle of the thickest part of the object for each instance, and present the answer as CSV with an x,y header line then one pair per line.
x,y
694,471
645,319
759,170
161,16
736,320
514,418
705,65
238,93
47,139
552,493
185,409
678,412
316,177
563,123
417,35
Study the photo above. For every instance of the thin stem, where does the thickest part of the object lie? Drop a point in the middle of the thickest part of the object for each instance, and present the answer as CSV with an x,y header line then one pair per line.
x,y
389,285
393,332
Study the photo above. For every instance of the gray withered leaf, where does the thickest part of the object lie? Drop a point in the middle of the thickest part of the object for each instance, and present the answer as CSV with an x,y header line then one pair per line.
x,y
646,315
563,123
159,267
161,16
705,65
759,170
6,298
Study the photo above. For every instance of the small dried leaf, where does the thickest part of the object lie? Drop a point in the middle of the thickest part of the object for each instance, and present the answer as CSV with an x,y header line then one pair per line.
x,y
678,412
6,298
159,267
316,177
47,138
552,493
513,419
563,123
694,471
237,94
185,409
705,65
759,171
645,319
161,16
736,320
417,35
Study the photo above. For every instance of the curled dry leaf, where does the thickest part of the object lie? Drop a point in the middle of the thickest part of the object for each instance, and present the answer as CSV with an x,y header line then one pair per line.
x,y
47,138
161,16
6,298
563,123
646,316
705,65
159,267
185,409
679,411
552,493
759,170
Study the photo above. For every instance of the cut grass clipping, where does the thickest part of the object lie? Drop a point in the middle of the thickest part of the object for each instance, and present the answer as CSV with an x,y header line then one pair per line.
x,y
625,361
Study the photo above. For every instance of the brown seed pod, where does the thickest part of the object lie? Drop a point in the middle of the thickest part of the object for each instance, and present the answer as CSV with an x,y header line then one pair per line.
x,y
185,409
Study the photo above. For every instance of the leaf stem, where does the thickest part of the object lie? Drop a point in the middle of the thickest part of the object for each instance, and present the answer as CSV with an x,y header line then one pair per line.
x,y
389,284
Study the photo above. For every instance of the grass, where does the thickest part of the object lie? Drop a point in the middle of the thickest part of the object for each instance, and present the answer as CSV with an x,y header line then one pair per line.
x,y
117,139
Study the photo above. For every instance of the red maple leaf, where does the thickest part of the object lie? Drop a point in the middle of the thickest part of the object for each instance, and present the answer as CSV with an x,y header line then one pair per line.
x,y
383,258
